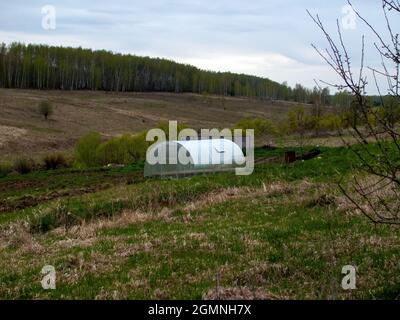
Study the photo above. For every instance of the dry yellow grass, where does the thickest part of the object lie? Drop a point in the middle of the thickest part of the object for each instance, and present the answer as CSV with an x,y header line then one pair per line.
x,y
80,112
8,133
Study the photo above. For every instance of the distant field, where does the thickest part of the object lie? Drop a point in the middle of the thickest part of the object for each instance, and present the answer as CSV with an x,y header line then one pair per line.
x,y
24,131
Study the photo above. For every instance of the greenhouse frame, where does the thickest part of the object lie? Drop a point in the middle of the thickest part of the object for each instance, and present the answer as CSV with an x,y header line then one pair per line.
x,y
179,158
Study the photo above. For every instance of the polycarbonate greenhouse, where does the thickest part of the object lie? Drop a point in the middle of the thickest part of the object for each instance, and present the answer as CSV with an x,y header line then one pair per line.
x,y
175,158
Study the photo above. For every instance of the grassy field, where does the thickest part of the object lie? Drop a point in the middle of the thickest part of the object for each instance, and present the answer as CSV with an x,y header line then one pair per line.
x,y
23,129
285,232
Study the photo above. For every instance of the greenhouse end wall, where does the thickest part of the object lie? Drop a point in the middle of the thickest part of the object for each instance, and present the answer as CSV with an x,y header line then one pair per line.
x,y
221,155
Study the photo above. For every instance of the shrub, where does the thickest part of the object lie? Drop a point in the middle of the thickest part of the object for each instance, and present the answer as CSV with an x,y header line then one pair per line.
x,y
114,151
124,149
86,150
137,147
45,109
5,169
330,122
55,161
90,151
299,122
391,110
23,165
264,129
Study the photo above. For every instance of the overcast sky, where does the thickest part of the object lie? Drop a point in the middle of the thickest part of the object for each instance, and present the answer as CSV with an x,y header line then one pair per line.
x,y
269,38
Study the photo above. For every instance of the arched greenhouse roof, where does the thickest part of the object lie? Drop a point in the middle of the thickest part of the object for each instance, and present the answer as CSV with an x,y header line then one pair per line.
x,y
213,151
205,156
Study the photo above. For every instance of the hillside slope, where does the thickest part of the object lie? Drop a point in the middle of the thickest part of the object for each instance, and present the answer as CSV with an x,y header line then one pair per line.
x,y
23,130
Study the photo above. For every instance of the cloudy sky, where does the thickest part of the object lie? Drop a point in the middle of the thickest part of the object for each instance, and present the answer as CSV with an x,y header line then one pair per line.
x,y
269,38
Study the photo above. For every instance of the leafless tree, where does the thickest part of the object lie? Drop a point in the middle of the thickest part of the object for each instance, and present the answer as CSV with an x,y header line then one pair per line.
x,y
375,188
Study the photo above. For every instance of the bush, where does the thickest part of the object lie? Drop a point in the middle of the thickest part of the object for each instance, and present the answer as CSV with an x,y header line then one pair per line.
x,y
114,151
23,165
5,169
125,149
45,108
55,161
330,122
264,129
90,151
86,150
137,147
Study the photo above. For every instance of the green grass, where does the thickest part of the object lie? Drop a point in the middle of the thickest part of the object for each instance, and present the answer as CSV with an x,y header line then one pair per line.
x,y
330,166
190,230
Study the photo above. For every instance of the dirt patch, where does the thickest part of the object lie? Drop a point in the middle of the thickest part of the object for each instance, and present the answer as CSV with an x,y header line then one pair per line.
x,y
79,112
106,181
8,133
31,201
20,185
138,115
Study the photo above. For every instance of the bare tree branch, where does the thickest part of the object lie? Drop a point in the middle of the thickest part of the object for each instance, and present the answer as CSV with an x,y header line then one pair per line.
x,y
378,144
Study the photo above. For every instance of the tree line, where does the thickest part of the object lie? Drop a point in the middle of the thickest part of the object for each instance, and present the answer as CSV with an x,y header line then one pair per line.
x,y
49,67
